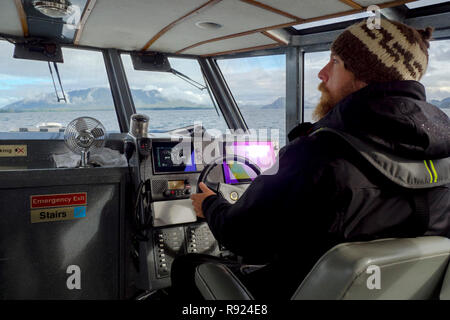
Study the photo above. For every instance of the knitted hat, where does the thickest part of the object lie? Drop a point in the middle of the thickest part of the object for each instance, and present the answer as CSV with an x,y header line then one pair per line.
x,y
393,52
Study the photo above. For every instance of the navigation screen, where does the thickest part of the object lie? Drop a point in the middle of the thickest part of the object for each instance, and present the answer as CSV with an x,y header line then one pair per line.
x,y
173,157
259,152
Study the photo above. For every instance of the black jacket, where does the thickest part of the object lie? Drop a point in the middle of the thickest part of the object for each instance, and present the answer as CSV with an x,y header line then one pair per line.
x,y
363,172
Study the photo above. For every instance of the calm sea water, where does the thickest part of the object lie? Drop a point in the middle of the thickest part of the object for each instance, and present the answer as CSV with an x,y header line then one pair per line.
x,y
161,120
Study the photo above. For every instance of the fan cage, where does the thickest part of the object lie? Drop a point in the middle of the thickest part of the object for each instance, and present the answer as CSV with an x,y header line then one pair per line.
x,y
85,134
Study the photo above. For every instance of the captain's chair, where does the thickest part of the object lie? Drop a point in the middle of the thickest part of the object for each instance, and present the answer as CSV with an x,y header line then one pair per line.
x,y
403,269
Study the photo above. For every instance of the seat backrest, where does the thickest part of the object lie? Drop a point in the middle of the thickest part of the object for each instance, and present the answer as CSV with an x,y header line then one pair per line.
x,y
403,268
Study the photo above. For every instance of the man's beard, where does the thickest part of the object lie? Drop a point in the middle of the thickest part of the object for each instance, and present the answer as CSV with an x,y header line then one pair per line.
x,y
326,103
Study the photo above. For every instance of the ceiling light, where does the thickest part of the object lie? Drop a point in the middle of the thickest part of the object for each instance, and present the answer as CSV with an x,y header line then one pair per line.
x,y
208,25
54,8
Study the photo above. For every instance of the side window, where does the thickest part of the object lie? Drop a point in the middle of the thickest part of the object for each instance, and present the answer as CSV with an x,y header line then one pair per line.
x,y
28,101
437,78
314,62
258,85
171,102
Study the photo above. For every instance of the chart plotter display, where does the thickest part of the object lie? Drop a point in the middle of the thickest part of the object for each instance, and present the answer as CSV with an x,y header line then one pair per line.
x,y
259,152
172,157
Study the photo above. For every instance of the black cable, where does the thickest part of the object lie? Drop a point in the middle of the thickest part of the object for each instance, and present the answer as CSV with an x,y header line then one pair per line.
x,y
140,227
142,223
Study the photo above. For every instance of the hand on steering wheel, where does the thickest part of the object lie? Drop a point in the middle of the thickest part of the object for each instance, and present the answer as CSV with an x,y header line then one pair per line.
x,y
215,186
207,188
197,199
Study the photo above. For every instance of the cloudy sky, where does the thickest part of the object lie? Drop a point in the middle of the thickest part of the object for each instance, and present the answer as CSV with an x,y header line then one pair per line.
x,y
253,81
437,78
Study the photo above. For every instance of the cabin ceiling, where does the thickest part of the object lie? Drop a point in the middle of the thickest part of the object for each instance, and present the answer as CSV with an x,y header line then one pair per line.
x,y
176,26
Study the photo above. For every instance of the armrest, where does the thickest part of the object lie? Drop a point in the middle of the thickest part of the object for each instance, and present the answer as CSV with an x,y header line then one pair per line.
x,y
217,282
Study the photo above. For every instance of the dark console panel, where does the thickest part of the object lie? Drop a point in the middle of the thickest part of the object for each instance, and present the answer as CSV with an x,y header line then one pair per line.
x,y
172,171
173,241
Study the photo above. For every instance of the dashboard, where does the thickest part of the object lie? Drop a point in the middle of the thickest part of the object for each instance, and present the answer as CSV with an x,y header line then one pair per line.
x,y
172,168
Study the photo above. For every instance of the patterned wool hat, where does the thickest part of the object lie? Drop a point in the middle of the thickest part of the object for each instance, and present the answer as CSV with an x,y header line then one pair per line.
x,y
393,52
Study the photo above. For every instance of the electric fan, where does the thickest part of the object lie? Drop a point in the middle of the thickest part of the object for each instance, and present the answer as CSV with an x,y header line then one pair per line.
x,y
83,135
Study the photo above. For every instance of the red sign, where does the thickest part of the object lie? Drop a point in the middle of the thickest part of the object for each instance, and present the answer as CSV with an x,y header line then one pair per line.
x,y
58,200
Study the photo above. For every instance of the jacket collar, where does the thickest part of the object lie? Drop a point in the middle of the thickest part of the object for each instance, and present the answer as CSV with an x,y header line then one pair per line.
x,y
394,115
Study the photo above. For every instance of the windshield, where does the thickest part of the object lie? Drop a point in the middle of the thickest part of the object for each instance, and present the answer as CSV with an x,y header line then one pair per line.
x,y
258,85
28,101
170,101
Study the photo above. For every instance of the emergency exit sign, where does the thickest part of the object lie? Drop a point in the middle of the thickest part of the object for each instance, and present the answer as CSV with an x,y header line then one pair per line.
x,y
58,200
58,207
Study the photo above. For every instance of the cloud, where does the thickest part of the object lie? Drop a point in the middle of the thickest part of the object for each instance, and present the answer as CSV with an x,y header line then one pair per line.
x,y
314,62
255,81
437,79
258,86
195,96
25,79
439,51
7,100
149,87
169,85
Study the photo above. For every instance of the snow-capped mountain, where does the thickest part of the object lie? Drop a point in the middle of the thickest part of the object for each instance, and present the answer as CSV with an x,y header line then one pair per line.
x,y
93,98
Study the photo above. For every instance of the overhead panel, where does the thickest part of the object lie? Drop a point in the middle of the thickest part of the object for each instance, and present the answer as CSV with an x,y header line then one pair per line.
x,y
203,27
130,24
9,17
234,18
232,44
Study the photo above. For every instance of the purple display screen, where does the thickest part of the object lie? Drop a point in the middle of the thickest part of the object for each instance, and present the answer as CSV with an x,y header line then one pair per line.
x,y
259,152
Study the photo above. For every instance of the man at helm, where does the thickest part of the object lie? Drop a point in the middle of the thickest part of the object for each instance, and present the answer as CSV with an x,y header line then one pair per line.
x,y
374,165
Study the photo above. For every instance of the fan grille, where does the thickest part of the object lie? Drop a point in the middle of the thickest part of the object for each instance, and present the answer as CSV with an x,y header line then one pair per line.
x,y
84,134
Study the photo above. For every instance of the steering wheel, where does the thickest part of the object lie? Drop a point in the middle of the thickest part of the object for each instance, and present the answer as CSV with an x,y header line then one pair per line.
x,y
230,192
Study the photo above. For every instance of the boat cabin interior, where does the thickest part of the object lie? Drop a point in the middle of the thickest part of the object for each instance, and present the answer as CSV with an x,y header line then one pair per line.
x,y
112,111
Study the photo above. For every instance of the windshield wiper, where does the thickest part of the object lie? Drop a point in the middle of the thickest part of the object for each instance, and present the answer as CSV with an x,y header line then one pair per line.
x,y
188,80
196,84
59,80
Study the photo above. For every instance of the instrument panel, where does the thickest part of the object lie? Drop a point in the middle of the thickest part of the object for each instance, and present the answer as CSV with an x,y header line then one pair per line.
x,y
173,157
172,170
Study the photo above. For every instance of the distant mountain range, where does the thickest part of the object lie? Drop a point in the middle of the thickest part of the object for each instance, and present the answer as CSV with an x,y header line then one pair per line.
x,y
281,103
445,103
101,99
97,99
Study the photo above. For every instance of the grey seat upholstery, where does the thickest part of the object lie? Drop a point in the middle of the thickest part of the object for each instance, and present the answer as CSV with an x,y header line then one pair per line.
x,y
217,282
403,269
410,268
